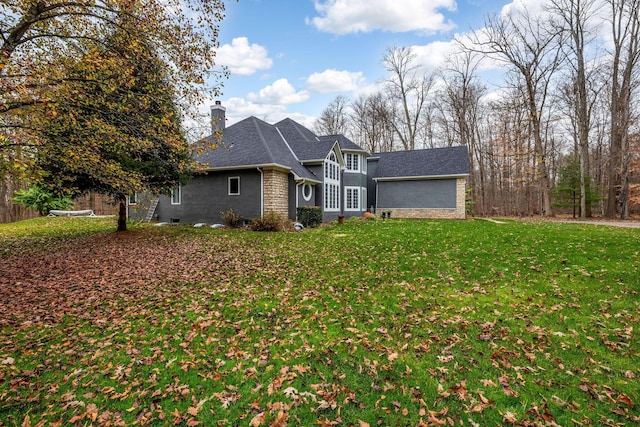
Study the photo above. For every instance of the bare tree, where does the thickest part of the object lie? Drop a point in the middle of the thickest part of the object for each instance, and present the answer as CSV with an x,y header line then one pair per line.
x,y
529,45
334,119
372,123
574,16
459,107
408,90
625,28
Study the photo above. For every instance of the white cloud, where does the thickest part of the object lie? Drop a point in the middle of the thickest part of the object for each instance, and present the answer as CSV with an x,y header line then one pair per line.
x,y
243,58
280,92
354,16
533,7
434,55
335,81
239,109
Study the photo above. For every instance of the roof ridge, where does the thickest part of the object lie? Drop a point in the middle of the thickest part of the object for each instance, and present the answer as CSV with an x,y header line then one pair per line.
x,y
287,144
257,123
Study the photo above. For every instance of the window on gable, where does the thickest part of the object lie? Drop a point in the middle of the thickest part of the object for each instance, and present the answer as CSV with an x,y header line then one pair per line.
x,y
176,196
234,186
133,198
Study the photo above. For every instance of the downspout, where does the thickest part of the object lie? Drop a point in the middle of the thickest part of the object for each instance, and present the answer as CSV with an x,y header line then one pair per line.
x,y
297,197
342,192
261,192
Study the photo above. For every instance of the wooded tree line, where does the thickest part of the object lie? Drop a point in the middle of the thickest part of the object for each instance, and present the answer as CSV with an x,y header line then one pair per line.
x,y
93,92
561,129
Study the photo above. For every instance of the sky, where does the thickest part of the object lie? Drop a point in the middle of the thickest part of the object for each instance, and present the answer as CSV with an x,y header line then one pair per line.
x,y
291,58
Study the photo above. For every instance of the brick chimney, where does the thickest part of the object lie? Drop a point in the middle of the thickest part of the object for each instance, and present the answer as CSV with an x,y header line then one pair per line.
x,y
218,117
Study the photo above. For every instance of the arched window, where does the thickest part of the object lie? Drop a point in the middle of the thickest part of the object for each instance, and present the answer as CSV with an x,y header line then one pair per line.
x,y
331,183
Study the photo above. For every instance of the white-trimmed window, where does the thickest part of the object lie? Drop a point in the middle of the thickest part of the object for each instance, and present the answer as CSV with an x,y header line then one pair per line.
x,y
331,183
233,185
352,162
176,195
133,199
307,191
352,198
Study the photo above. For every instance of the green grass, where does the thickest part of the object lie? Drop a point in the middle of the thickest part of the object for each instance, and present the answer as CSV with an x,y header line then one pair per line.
x,y
44,233
392,322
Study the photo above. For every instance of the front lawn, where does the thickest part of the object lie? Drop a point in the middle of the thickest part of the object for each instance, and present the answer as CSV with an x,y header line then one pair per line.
x,y
394,323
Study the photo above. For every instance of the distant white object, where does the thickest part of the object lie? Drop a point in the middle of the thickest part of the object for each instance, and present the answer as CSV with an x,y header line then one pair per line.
x,y
297,226
200,225
55,212
160,224
217,225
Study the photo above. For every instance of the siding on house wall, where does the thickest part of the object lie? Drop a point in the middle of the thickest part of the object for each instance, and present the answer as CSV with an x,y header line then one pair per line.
x,y
318,170
372,165
276,191
423,194
138,211
206,196
296,195
357,180
441,199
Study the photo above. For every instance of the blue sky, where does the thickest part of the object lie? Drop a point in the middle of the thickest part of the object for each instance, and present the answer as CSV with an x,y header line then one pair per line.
x,y
290,58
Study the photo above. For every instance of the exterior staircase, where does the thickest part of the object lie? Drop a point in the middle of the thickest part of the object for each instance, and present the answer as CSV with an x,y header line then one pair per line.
x,y
152,209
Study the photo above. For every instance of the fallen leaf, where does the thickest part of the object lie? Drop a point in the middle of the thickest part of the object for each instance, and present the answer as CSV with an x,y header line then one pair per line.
x,y
257,420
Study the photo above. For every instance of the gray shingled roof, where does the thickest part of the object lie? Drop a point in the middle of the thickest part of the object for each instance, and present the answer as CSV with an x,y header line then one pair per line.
x,y
449,161
304,143
309,151
345,143
252,143
308,146
294,131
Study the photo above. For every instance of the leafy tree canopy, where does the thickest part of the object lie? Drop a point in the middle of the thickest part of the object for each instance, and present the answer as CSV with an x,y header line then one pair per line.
x,y
119,132
42,39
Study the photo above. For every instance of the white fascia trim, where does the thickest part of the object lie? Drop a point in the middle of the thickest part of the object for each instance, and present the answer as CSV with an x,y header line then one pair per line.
x,y
421,178
305,180
341,161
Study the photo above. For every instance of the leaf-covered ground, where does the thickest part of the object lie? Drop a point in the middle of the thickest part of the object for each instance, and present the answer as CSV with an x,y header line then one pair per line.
x,y
408,323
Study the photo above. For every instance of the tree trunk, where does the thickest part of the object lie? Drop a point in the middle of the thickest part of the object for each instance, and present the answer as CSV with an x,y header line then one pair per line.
x,y
122,213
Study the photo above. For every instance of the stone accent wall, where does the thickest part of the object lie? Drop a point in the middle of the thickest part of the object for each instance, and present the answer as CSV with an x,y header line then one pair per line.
x,y
276,191
458,213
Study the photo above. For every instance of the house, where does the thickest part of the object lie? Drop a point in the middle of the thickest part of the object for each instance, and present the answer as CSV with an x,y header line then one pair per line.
x,y
259,167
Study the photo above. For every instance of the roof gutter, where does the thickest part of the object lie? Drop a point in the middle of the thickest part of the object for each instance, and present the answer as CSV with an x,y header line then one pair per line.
x,y
261,192
260,166
420,178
